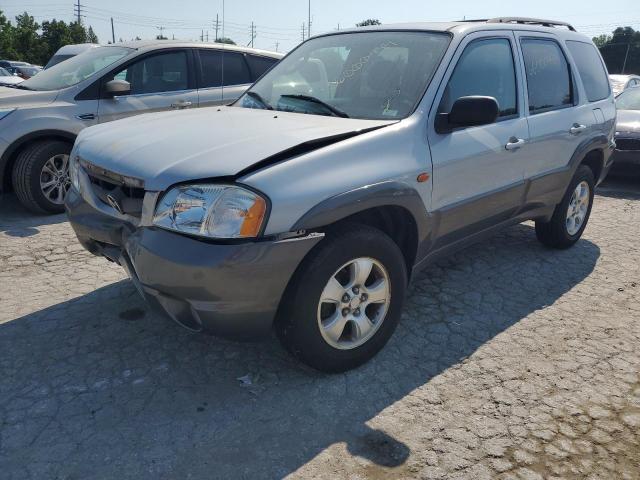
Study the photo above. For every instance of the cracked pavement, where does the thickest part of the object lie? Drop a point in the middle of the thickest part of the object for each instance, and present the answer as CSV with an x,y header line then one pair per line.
x,y
511,361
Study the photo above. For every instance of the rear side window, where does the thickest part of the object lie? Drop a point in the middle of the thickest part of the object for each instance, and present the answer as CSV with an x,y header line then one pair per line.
x,y
259,65
486,68
236,71
591,70
548,75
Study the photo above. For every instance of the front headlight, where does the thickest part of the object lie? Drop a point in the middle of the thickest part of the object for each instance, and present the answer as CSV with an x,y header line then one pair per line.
x,y
210,210
6,111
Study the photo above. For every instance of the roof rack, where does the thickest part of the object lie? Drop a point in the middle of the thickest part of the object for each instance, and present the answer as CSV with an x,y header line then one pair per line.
x,y
531,21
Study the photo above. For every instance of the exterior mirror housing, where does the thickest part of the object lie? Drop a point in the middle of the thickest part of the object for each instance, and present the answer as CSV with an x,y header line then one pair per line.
x,y
118,87
468,112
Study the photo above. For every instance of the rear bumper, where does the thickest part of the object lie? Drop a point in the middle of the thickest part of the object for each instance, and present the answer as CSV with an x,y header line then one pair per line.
x,y
231,289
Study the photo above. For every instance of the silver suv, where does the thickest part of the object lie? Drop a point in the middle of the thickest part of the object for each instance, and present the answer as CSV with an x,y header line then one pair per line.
x,y
40,117
356,161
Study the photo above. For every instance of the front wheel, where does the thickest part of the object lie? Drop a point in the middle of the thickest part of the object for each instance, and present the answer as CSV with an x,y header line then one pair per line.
x,y
41,176
571,215
345,300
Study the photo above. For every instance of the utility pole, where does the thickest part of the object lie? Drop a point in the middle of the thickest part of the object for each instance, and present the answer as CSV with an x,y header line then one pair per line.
x,y
253,34
309,24
277,45
78,10
202,36
113,32
626,55
207,36
216,27
161,28
303,31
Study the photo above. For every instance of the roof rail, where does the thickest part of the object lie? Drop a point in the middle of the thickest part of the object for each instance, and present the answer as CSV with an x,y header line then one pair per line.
x,y
531,21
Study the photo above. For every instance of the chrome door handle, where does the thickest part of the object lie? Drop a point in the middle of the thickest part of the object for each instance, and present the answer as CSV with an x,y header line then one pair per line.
x,y
514,143
577,129
181,104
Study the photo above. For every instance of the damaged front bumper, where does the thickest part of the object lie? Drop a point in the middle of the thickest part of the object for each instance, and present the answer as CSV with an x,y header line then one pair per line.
x,y
231,289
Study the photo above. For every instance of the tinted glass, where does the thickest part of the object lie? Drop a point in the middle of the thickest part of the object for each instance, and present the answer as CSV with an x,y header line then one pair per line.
x,y
259,65
370,75
591,70
629,99
236,71
486,68
166,72
548,75
4,73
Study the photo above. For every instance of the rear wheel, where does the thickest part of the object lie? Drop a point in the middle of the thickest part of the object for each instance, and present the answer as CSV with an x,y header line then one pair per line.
x,y
345,300
570,216
41,176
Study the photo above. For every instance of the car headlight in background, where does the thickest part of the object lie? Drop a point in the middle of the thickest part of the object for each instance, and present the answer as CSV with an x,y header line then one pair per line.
x,y
210,210
6,111
74,171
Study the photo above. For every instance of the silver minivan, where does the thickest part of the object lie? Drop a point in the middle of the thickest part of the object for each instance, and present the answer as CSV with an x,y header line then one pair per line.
x,y
40,117
359,159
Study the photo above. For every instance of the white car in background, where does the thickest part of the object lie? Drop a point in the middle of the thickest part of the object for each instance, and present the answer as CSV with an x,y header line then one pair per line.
x,y
619,83
69,51
7,78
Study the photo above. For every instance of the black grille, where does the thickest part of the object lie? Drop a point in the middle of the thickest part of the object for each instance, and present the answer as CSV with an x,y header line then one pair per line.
x,y
128,198
627,144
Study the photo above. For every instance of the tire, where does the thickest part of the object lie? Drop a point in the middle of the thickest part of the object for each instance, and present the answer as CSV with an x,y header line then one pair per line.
x,y
560,232
29,170
302,315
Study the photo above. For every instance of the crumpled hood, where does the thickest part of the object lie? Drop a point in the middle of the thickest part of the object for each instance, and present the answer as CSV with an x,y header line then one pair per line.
x,y
628,121
170,147
15,97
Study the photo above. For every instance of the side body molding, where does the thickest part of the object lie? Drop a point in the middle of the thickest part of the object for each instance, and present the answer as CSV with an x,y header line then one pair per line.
x,y
383,194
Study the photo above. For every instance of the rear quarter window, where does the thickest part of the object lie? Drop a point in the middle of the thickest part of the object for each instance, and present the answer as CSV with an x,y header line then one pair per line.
x,y
591,70
260,65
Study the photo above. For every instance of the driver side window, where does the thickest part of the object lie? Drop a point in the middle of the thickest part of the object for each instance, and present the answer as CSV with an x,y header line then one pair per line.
x,y
165,72
486,67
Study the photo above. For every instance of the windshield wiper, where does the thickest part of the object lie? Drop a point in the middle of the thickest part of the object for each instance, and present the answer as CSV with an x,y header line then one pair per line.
x,y
20,86
337,112
258,97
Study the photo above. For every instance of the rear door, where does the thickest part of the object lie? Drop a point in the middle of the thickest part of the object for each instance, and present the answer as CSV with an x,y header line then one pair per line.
x,y
223,76
159,81
559,118
478,171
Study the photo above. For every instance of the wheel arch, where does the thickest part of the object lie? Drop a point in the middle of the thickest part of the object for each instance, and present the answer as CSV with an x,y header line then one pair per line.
x,y
8,158
392,207
594,153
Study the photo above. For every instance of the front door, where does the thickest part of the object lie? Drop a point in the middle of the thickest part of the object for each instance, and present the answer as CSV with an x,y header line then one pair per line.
x,y
158,82
478,172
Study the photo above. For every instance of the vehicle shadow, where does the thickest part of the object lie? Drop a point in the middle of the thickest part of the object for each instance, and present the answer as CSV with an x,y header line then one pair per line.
x,y
17,221
98,387
620,186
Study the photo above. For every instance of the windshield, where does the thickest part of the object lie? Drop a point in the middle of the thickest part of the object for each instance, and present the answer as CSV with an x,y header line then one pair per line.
x,y
629,99
367,75
76,69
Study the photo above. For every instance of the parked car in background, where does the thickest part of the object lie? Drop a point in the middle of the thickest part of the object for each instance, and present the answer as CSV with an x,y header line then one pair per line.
x,y
357,160
27,72
11,65
8,78
40,117
68,51
627,153
619,83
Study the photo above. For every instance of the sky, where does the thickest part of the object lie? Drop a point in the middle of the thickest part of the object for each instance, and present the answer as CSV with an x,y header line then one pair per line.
x,y
279,23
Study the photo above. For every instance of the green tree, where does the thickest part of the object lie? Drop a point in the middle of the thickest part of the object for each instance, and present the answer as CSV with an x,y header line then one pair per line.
x,y
6,38
55,34
91,36
368,22
621,50
226,40
26,41
77,33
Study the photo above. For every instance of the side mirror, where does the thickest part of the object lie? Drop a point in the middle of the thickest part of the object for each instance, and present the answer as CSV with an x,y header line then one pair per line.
x,y
468,112
118,87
